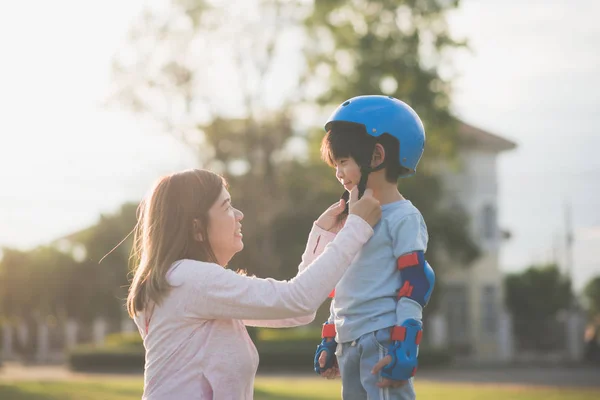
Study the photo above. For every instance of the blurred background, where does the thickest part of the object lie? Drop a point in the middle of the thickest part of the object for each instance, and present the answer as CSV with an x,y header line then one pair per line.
x,y
102,98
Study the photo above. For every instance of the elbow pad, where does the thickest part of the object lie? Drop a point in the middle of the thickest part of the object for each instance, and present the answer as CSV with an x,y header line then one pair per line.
x,y
417,276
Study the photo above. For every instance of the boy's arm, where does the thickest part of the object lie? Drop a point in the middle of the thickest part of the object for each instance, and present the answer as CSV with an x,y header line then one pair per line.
x,y
416,284
325,362
409,238
317,240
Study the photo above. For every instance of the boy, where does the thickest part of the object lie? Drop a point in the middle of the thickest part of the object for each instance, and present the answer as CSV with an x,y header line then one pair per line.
x,y
375,323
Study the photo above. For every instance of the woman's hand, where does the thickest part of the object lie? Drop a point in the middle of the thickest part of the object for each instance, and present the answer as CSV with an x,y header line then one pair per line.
x,y
329,220
367,208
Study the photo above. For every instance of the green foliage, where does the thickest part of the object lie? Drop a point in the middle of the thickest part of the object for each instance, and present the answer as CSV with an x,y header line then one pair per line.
x,y
101,287
393,47
124,340
31,285
280,189
534,298
121,352
65,279
312,333
278,355
400,41
293,349
592,295
539,292
279,350
398,48
106,359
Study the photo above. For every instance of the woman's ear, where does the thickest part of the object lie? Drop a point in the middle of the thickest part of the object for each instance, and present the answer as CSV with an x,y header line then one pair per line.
x,y
198,231
378,156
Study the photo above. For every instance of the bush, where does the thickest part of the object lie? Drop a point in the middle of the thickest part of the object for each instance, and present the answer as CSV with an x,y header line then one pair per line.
x,y
105,359
131,339
297,355
290,355
122,352
279,350
294,349
287,334
432,358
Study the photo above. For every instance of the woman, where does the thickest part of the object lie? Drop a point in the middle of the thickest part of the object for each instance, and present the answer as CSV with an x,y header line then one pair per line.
x,y
192,312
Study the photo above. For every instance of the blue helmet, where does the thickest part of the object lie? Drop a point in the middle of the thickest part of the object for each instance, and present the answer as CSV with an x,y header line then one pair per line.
x,y
386,114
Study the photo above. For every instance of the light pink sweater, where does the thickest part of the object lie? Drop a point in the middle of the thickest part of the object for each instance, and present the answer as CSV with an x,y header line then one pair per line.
x,y
197,346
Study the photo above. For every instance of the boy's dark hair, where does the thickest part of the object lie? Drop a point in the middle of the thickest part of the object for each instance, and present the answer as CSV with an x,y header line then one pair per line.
x,y
347,139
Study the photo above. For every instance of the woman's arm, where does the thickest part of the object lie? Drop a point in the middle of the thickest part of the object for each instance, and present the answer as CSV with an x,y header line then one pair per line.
x,y
213,292
282,322
317,240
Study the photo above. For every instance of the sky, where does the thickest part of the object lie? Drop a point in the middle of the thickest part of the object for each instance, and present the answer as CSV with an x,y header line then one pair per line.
x,y
531,76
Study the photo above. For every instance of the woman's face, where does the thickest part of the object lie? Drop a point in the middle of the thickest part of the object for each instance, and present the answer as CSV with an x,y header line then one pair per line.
x,y
224,228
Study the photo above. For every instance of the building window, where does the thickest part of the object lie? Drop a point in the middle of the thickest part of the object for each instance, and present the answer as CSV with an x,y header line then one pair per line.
x,y
457,311
489,310
488,221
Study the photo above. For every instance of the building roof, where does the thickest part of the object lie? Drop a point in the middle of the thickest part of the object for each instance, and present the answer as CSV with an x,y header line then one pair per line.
x,y
472,136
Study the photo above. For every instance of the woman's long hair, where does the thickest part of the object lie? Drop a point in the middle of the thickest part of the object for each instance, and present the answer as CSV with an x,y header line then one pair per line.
x,y
165,232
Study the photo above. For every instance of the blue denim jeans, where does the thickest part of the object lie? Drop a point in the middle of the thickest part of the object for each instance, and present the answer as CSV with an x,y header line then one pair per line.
x,y
356,360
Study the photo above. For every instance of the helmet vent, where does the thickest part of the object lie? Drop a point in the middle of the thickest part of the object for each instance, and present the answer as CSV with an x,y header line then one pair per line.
x,y
346,103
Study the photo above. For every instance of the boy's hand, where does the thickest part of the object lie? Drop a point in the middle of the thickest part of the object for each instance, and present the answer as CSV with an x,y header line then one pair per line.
x,y
329,219
331,373
385,382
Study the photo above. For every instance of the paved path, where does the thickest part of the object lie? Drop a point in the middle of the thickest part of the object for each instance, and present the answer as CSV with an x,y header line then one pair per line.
x,y
542,376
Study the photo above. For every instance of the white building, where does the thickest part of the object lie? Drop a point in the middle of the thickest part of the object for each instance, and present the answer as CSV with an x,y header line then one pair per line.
x,y
472,318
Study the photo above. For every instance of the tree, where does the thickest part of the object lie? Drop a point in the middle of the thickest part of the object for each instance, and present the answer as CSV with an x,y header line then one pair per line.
x,y
65,279
198,64
397,48
534,298
33,287
15,272
99,285
592,295
187,57
177,76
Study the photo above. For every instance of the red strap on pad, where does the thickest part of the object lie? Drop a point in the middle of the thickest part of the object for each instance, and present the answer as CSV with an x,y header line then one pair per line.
x,y
332,294
328,331
408,260
418,338
405,290
398,334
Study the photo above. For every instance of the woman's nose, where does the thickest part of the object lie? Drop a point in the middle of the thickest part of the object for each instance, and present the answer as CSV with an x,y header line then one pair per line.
x,y
239,215
338,173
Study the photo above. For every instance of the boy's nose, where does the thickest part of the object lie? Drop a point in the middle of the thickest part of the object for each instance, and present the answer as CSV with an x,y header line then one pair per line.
x,y
338,173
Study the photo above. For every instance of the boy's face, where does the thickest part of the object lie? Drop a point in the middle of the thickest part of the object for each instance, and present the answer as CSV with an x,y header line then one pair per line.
x,y
347,172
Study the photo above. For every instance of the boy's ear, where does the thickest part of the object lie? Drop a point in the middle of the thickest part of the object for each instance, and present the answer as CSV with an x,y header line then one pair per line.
x,y
378,156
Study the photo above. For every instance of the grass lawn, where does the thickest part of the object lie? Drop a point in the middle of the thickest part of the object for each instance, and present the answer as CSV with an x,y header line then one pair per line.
x,y
271,388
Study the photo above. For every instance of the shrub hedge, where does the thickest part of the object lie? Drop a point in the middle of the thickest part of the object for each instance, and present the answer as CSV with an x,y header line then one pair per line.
x,y
279,350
